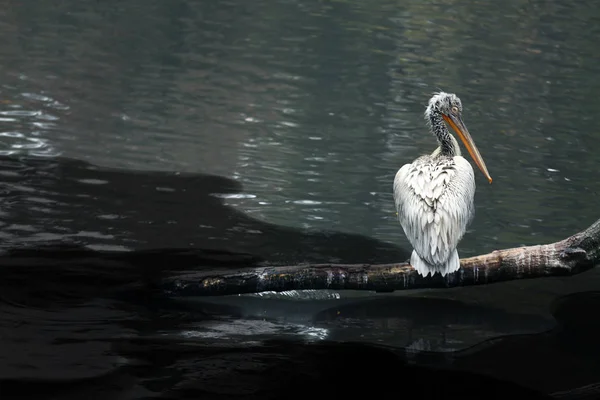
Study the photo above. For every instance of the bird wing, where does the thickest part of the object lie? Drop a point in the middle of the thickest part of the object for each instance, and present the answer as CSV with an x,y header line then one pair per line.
x,y
434,199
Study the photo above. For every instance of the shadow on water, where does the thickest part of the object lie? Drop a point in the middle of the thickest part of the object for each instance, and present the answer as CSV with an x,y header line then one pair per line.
x,y
82,317
139,362
108,209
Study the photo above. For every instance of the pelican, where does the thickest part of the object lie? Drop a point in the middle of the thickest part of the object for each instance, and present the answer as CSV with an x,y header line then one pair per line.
x,y
434,195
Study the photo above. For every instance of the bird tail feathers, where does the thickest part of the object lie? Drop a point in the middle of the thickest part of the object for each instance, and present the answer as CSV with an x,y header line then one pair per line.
x,y
424,268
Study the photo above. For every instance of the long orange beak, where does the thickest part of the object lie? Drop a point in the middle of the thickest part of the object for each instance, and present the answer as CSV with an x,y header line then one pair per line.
x,y
455,121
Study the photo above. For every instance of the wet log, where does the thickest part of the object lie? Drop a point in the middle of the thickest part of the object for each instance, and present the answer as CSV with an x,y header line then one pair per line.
x,y
570,256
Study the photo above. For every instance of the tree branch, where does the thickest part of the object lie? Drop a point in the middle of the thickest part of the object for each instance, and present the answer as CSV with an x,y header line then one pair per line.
x,y
570,256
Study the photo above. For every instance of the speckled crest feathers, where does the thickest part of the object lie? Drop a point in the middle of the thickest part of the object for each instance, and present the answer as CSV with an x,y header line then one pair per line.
x,y
434,197
441,102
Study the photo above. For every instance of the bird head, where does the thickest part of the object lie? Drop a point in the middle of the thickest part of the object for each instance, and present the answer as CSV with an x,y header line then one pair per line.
x,y
444,104
449,107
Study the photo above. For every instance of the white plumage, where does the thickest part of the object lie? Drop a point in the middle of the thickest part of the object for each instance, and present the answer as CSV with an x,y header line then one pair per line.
x,y
434,198
434,195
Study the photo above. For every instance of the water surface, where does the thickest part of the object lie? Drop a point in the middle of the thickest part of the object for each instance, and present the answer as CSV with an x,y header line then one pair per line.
x,y
276,128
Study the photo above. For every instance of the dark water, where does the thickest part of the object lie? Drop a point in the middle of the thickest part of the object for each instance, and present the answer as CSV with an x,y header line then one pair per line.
x,y
275,128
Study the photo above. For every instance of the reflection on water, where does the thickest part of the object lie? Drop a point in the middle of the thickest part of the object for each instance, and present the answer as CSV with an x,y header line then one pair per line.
x,y
415,323
239,329
30,118
75,329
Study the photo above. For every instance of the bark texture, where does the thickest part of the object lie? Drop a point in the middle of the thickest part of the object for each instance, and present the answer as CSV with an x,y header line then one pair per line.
x,y
570,256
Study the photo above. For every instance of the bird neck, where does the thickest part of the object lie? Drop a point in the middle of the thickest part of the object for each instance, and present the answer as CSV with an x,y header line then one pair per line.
x,y
448,144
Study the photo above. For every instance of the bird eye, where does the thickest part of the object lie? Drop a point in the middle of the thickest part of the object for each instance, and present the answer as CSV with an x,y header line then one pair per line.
x,y
455,109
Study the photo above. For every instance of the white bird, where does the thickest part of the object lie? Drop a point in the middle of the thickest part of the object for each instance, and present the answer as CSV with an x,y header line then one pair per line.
x,y
434,195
